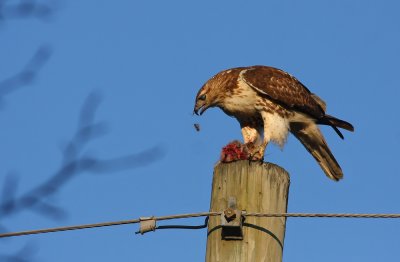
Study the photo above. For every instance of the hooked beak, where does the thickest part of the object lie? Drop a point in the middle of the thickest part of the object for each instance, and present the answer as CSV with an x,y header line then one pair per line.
x,y
199,108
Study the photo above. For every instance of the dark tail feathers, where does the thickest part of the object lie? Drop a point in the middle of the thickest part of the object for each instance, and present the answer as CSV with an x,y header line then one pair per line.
x,y
335,123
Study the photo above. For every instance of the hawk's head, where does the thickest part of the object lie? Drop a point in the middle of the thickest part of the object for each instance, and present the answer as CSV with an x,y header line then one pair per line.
x,y
208,96
203,100
214,91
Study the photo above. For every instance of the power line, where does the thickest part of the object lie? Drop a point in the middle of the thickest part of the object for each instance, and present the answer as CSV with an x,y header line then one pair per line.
x,y
106,224
191,215
322,215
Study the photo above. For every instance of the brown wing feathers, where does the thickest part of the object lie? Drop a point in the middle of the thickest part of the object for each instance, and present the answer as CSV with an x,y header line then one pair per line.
x,y
283,89
286,90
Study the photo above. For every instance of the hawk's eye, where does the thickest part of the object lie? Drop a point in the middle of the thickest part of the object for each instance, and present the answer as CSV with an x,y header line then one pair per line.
x,y
202,97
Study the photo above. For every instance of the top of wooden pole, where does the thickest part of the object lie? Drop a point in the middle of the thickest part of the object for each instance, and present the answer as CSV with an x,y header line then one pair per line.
x,y
256,187
265,168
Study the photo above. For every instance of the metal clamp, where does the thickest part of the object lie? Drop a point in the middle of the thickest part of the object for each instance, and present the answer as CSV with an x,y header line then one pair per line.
x,y
232,222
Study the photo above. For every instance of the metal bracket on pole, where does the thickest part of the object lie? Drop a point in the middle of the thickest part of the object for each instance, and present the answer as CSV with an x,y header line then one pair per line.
x,y
232,222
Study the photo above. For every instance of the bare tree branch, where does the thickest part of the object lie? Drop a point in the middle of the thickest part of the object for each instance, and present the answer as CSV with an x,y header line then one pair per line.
x,y
25,9
73,164
28,74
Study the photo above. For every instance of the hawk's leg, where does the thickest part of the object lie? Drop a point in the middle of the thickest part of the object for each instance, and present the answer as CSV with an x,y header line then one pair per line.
x,y
251,137
258,152
274,127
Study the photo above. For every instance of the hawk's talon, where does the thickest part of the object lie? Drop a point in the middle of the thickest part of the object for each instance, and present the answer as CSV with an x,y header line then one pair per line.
x,y
256,156
256,153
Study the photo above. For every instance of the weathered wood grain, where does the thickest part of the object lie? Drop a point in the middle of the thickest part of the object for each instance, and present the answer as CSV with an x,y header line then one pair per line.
x,y
257,188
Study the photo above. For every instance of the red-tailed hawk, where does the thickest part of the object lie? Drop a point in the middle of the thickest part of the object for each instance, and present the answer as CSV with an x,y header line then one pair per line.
x,y
268,103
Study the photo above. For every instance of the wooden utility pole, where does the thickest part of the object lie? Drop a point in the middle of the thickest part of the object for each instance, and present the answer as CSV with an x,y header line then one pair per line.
x,y
250,187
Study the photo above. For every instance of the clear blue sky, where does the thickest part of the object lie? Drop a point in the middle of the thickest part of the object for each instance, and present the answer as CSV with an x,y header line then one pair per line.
x,y
148,59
